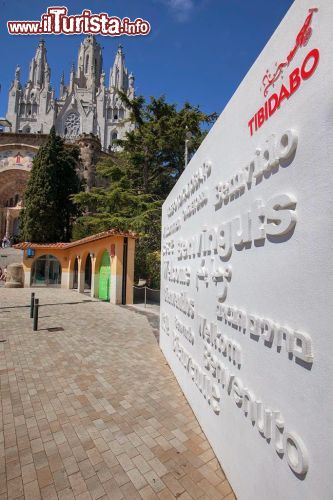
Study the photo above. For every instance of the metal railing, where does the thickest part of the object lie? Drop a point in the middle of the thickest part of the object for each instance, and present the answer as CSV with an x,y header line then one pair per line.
x,y
145,295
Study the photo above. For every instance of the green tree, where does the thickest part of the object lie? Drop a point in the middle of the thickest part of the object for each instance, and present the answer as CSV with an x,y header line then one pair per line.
x,y
140,176
120,206
155,146
48,206
153,264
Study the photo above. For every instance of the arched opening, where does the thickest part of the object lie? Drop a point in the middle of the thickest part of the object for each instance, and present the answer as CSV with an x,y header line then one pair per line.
x,y
87,273
46,271
104,277
87,64
113,142
76,273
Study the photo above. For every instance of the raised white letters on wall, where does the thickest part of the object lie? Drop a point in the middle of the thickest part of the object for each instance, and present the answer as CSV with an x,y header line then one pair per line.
x,y
201,259
246,270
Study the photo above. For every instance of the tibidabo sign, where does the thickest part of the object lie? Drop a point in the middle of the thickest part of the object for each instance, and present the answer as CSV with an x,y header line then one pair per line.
x,y
246,303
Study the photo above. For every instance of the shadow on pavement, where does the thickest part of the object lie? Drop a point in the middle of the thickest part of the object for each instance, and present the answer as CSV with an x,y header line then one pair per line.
x,y
153,320
53,304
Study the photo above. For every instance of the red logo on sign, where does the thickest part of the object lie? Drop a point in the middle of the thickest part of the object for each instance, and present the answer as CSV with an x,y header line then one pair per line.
x,y
301,41
292,82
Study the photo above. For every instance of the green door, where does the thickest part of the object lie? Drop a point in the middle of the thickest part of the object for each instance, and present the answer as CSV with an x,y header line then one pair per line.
x,y
104,277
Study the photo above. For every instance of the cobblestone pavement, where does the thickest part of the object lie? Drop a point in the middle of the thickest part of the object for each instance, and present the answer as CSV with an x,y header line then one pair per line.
x,y
91,410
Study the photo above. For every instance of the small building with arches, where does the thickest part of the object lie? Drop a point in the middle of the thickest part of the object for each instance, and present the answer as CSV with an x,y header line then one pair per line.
x,y
101,265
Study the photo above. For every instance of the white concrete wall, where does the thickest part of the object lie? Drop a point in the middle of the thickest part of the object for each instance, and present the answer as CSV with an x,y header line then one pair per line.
x,y
27,279
279,275
116,288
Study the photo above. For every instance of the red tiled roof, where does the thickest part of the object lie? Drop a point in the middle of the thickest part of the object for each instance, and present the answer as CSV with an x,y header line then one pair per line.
x,y
88,239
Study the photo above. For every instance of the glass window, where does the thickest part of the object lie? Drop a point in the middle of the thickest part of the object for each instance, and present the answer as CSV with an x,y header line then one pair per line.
x,y
46,271
72,125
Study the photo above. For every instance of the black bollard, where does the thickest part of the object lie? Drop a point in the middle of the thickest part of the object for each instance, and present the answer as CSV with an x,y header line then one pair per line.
x,y
32,304
36,306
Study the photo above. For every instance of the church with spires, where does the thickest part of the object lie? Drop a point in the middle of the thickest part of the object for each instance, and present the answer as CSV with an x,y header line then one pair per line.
x,y
86,104
88,112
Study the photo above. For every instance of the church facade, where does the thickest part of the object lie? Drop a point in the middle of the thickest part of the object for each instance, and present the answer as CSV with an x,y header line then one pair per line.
x,y
86,105
87,112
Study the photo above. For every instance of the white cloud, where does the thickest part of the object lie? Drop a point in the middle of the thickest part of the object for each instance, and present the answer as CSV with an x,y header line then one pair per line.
x,y
181,8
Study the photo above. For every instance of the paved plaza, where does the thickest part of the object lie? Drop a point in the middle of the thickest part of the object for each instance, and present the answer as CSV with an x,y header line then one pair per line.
x,y
90,408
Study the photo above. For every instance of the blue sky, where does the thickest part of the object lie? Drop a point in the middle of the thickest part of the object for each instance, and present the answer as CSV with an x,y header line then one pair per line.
x,y
198,50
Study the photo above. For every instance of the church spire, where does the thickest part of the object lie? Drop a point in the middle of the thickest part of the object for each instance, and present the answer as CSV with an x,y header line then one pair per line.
x,y
16,83
119,73
17,74
90,63
62,84
72,78
39,71
131,90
